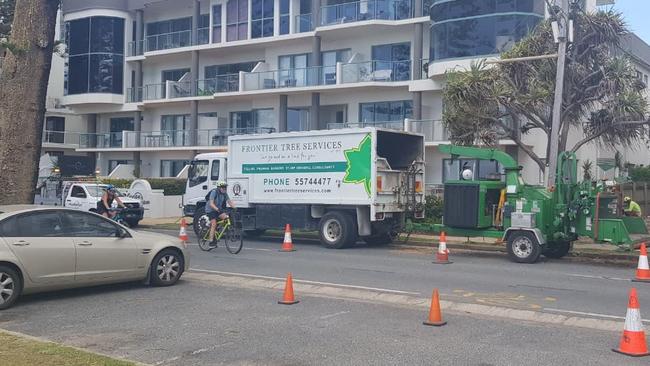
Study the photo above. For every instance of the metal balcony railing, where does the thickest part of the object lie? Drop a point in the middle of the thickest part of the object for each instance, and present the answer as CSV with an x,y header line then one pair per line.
x,y
185,138
134,95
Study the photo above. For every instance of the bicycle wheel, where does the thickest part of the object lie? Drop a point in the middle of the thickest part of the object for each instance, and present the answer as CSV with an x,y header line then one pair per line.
x,y
204,240
234,240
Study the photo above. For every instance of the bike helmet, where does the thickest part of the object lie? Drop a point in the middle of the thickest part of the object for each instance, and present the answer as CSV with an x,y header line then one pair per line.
x,y
110,188
222,184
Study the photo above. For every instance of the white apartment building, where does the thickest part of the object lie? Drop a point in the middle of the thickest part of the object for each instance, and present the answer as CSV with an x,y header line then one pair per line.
x,y
151,83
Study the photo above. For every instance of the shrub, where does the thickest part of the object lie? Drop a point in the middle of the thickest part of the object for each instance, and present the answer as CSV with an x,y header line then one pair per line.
x,y
170,186
640,174
433,206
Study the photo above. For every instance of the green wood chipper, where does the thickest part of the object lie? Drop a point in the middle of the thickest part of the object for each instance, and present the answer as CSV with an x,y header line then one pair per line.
x,y
532,220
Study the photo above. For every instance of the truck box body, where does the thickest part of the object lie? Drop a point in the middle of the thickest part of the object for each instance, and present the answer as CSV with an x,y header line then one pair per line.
x,y
335,167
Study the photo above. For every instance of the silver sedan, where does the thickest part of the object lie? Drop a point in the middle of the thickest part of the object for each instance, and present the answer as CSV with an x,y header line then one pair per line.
x,y
48,248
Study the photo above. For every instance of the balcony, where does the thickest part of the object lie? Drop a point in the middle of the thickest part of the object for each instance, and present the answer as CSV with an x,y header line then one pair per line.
x,y
303,23
368,71
60,138
366,10
433,130
166,41
134,95
221,84
290,78
110,140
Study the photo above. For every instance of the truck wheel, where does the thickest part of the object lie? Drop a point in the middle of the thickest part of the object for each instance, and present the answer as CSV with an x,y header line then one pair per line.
x,y
557,250
200,220
523,247
337,230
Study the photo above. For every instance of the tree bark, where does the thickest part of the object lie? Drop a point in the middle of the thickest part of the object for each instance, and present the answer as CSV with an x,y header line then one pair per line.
x,y
23,90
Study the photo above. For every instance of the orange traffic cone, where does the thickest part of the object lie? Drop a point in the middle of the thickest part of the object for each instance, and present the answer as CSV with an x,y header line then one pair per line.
x,y
287,245
633,340
287,298
435,317
642,269
442,256
182,235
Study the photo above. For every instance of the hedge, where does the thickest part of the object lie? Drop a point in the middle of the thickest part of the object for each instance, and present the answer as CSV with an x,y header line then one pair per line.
x,y
640,174
170,186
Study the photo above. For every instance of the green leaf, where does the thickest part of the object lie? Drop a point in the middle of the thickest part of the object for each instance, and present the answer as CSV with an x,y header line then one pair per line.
x,y
358,159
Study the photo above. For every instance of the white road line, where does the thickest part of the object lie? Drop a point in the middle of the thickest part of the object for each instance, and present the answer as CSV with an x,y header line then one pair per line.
x,y
305,281
599,277
333,315
590,314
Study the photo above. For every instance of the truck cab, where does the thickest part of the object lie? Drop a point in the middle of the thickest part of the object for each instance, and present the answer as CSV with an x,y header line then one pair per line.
x,y
204,173
85,196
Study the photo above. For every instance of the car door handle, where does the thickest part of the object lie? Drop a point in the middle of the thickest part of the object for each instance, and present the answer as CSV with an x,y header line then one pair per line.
x,y
21,243
85,244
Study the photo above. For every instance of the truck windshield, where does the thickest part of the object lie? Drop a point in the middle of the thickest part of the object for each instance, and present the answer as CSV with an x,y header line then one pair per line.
x,y
98,190
198,172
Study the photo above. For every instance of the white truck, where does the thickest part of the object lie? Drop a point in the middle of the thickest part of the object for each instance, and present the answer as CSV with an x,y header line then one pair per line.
x,y
85,195
346,183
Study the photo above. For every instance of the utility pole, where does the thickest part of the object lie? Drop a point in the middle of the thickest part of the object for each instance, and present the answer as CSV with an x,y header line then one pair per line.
x,y
561,35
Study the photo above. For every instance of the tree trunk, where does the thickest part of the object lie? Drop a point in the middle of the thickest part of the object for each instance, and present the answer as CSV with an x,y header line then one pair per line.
x,y
23,89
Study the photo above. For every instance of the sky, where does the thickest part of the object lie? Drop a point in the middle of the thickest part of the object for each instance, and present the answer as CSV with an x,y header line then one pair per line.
x,y
636,14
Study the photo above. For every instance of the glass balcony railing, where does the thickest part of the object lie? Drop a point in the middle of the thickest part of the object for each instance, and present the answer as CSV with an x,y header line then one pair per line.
x,y
134,95
220,84
366,10
166,41
423,66
185,138
303,23
392,125
154,91
61,137
135,48
100,140
290,78
376,71
433,130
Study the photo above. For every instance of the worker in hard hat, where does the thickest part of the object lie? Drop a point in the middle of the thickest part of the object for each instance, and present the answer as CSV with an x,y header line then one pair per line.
x,y
631,208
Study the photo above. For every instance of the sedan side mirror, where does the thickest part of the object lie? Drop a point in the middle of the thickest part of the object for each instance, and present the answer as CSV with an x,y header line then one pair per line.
x,y
121,233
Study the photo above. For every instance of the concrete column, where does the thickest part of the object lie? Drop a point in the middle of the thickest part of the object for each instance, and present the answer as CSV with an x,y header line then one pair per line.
x,y
315,11
137,126
315,51
92,128
194,121
282,118
417,51
137,164
138,89
417,105
314,112
194,70
139,31
417,8
196,14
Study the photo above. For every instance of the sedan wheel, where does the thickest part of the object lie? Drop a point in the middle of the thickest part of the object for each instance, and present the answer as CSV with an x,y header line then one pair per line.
x,y
166,268
10,287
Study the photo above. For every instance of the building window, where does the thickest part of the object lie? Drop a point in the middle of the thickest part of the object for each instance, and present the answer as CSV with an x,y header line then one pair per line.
x,y
293,70
118,125
96,56
284,16
236,20
426,7
394,58
173,131
171,168
385,111
112,164
262,18
470,28
329,60
173,75
55,130
258,120
297,119
216,24
225,78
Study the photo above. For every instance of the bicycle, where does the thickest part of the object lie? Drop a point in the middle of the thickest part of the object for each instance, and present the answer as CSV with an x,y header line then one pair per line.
x,y
119,216
229,230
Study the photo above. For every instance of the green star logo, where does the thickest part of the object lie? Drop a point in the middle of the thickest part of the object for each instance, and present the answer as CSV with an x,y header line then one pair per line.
x,y
358,160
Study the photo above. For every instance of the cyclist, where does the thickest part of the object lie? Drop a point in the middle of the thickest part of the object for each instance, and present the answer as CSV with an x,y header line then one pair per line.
x,y
104,205
215,208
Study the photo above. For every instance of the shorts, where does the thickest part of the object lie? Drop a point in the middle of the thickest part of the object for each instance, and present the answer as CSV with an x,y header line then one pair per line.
x,y
213,215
